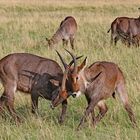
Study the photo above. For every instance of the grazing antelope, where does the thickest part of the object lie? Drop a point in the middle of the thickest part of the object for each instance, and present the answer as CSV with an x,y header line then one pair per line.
x,y
124,27
98,82
65,32
41,77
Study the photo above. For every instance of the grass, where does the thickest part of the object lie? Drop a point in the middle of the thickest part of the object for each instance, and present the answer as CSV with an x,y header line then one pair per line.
x,y
23,28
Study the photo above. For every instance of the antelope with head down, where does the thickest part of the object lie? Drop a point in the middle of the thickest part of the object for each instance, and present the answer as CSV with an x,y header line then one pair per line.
x,y
65,32
98,82
41,77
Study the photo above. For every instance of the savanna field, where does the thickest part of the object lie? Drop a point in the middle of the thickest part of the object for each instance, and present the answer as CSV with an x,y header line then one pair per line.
x,y
25,24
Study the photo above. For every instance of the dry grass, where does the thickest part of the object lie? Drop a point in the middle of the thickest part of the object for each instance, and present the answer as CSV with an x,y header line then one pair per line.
x,y
24,25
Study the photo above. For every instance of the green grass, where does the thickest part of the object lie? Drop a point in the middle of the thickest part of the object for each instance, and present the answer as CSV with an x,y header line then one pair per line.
x,y
23,28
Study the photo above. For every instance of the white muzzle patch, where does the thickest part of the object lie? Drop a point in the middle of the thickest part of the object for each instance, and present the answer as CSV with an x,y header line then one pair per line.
x,y
77,93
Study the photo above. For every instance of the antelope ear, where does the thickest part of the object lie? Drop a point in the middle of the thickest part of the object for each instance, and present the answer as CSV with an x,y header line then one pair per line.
x,y
54,82
83,65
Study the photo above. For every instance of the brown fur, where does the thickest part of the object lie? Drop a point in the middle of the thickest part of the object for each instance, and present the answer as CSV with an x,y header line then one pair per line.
x,y
41,77
104,78
124,28
98,82
65,32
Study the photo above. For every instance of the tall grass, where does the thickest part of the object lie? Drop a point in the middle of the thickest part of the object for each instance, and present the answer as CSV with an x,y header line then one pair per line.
x,y
23,28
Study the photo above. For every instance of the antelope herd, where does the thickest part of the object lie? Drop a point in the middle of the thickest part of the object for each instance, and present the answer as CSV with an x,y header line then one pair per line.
x,y
44,77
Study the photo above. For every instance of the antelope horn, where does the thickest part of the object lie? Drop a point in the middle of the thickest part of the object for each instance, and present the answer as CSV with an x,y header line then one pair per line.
x,y
63,87
63,62
74,61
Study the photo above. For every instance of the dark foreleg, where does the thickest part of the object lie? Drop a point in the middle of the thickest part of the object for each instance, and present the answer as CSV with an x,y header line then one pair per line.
x,y
34,98
63,113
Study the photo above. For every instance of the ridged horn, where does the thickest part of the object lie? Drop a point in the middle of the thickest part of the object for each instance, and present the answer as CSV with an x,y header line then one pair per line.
x,y
63,62
74,61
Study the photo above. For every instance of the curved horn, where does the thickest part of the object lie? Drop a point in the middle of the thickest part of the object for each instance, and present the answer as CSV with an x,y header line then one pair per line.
x,y
64,64
63,86
74,61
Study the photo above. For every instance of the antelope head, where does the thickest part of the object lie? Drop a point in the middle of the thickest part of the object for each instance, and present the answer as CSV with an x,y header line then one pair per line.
x,y
70,85
62,93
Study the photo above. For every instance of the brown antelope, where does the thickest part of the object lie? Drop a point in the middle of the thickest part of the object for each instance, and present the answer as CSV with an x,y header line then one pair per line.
x,y
98,82
65,32
41,77
124,27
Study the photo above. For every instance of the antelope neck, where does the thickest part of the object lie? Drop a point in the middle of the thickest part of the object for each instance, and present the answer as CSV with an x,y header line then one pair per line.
x,y
56,37
84,77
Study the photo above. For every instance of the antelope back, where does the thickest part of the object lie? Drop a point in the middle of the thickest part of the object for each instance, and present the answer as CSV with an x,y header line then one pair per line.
x,y
68,26
24,69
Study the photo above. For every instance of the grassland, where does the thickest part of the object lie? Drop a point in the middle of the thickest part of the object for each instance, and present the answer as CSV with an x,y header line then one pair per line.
x,y
24,24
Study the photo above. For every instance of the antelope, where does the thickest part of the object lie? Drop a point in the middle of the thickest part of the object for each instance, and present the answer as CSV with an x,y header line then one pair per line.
x,y
100,81
65,32
41,77
124,27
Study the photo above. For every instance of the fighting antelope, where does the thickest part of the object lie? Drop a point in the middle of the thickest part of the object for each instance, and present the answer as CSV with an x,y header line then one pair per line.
x,y
41,77
124,27
65,32
98,82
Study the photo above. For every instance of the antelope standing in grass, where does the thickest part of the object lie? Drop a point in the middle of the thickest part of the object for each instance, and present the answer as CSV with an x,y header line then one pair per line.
x,y
124,27
98,82
41,77
65,32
